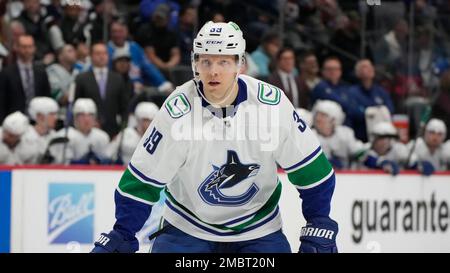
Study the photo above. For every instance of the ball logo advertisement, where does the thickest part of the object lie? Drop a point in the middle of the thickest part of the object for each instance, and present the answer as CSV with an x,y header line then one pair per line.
x,y
70,213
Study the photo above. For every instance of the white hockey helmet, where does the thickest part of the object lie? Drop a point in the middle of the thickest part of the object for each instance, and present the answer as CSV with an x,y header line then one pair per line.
x,y
42,105
437,126
16,123
146,110
384,129
219,39
84,105
331,109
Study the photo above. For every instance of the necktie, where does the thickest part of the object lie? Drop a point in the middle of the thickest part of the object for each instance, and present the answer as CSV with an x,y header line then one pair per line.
x,y
102,83
29,88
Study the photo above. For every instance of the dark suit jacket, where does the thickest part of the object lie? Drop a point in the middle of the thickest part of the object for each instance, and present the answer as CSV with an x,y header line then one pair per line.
x,y
13,96
115,103
303,95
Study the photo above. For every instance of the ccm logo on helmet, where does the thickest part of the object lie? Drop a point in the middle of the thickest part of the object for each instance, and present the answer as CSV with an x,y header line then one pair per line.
x,y
317,232
214,42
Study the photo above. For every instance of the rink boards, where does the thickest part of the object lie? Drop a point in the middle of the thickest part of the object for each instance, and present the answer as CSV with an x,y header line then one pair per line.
x,y
64,209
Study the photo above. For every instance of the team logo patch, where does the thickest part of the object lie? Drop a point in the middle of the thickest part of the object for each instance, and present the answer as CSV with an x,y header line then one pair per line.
x,y
268,94
178,106
227,176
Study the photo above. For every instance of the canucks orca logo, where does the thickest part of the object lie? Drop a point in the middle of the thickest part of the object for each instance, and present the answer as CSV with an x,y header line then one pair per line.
x,y
227,176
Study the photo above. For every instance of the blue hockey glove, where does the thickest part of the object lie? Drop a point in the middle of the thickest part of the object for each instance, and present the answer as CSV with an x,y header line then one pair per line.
x,y
319,236
390,166
114,242
425,168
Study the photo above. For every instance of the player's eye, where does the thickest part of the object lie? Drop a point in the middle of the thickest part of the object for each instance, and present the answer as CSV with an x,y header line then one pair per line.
x,y
224,63
205,63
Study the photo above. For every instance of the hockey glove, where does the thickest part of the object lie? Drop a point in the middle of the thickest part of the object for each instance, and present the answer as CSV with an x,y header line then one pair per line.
x,y
425,168
390,166
114,242
319,236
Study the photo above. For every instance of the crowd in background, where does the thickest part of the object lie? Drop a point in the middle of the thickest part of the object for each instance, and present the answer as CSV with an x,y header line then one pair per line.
x,y
80,80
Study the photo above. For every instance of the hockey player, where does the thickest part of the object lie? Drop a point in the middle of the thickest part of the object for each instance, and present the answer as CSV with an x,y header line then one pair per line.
x,y
87,144
122,147
338,142
431,148
43,111
14,149
223,191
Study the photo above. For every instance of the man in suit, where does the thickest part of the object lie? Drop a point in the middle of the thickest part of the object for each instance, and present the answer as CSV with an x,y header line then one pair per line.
x,y
106,88
284,76
24,79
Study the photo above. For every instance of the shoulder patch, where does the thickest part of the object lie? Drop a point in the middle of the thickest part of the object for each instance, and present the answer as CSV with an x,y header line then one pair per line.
x,y
178,106
268,94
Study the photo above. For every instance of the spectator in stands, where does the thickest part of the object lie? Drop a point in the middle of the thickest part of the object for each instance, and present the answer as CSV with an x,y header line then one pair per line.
x,y
338,142
14,149
83,57
61,75
3,55
72,24
367,93
159,42
309,78
86,143
44,112
188,18
266,53
106,88
149,7
431,147
284,76
24,80
121,64
103,13
440,108
37,23
142,70
15,30
122,147
392,47
331,88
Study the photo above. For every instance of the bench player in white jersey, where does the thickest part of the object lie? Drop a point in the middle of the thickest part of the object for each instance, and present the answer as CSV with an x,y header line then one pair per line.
x,y
338,142
220,180
14,148
431,146
87,144
44,111
122,147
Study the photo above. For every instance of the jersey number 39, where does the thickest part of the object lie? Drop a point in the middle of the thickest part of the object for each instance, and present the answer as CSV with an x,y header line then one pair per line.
x,y
151,143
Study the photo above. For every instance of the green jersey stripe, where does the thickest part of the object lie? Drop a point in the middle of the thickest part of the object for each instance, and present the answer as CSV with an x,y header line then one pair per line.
x,y
312,173
265,210
131,185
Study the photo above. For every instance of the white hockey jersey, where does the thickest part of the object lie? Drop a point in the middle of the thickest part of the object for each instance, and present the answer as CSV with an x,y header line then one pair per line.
x,y
79,145
220,174
398,153
342,145
41,141
128,141
440,158
26,152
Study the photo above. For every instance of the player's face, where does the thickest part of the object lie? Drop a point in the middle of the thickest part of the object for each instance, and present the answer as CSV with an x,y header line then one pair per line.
x,y
84,122
11,140
51,119
217,72
323,124
434,139
332,71
381,145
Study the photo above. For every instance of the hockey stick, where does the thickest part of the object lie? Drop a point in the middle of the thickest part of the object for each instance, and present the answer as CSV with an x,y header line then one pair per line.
x,y
69,117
